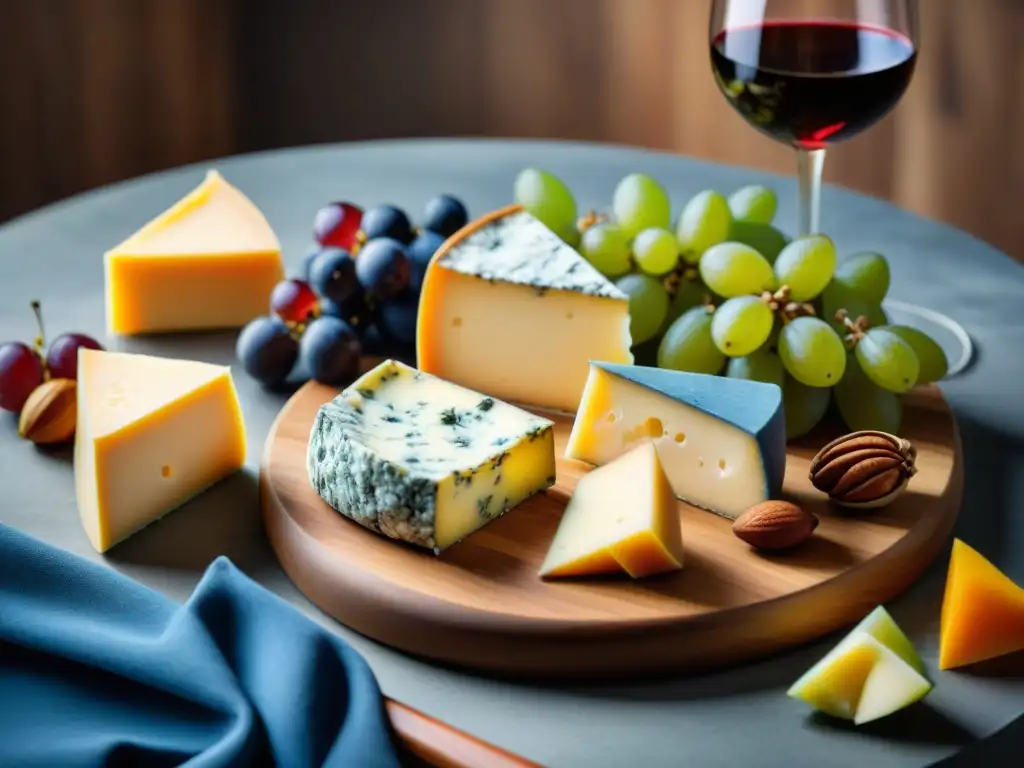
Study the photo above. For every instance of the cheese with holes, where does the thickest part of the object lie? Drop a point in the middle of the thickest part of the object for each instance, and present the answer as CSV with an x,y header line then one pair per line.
x,y
151,434
420,459
873,672
510,309
982,611
721,441
209,261
621,517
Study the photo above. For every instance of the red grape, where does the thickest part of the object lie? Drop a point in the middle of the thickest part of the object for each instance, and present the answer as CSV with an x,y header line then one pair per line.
x,y
337,224
21,371
62,356
293,301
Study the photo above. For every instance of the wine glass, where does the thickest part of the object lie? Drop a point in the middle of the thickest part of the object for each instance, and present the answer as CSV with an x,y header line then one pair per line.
x,y
810,73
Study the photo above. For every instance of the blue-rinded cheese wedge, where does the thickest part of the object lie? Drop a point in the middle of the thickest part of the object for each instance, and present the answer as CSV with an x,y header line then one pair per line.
x,y
721,441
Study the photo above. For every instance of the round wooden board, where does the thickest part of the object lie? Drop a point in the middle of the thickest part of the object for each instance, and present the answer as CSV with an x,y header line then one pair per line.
x,y
481,604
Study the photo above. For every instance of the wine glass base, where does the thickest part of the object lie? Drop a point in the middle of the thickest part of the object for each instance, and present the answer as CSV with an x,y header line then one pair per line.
x,y
947,332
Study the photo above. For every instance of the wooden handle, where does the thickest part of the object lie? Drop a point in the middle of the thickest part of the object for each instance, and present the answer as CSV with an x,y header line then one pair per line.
x,y
437,744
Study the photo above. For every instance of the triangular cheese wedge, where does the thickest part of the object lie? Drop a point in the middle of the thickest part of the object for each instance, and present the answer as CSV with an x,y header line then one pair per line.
x,y
151,433
621,517
509,309
982,611
874,671
209,261
722,441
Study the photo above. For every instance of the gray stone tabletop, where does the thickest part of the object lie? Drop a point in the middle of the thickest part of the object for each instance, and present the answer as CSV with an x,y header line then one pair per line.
x,y
735,717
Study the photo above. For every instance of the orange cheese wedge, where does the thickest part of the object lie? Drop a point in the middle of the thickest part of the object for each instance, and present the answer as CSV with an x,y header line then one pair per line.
x,y
982,611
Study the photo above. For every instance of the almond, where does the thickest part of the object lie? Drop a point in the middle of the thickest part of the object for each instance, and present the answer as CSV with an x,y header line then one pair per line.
x,y
48,415
775,525
864,469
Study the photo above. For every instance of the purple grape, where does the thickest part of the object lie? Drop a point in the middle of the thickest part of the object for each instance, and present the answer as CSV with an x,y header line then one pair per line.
x,y
21,371
333,276
383,268
330,351
420,252
387,221
445,215
398,317
62,356
267,350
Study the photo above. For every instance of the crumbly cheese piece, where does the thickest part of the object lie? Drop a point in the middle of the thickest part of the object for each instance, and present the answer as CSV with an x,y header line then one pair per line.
x,y
423,460
151,433
209,261
621,517
510,309
721,441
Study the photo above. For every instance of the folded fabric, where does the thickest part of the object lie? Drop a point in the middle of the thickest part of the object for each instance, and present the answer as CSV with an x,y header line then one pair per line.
x,y
99,670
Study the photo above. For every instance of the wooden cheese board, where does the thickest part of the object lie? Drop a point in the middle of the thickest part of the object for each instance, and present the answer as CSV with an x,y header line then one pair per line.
x,y
480,604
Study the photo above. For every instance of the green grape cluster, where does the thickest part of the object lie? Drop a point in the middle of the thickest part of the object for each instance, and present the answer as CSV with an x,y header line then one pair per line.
x,y
721,290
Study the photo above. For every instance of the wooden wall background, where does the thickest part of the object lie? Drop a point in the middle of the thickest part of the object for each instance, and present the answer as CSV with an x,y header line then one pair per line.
x,y
92,91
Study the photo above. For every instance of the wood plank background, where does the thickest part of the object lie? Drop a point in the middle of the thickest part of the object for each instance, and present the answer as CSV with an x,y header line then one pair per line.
x,y
92,91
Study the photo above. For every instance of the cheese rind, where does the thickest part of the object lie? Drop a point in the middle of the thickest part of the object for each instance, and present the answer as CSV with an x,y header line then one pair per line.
x,y
151,433
621,517
721,441
982,611
209,261
509,309
425,461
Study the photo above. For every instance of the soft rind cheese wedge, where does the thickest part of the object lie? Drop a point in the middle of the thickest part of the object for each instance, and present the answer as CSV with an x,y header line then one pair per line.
x,y
425,461
721,441
209,261
982,611
873,672
510,309
621,517
151,433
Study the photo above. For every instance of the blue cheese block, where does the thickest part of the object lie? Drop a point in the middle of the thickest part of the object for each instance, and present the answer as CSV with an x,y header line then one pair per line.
x,y
420,459
721,441
509,309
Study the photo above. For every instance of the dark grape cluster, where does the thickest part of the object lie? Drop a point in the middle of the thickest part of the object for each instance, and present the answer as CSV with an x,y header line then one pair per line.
x,y
358,286
24,367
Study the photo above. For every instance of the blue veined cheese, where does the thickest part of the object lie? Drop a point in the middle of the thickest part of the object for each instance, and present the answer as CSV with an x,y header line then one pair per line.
x,y
510,309
721,441
423,460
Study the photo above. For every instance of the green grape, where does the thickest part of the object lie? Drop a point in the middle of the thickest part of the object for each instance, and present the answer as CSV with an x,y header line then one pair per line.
x,y
804,406
607,249
549,199
689,294
648,305
866,274
640,202
705,221
741,325
838,296
762,365
687,345
763,238
863,405
888,360
754,204
812,352
806,266
734,269
656,251
932,358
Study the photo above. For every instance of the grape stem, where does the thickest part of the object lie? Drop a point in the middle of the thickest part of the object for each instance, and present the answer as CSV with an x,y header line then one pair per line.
x,y
673,279
40,342
589,219
857,328
787,310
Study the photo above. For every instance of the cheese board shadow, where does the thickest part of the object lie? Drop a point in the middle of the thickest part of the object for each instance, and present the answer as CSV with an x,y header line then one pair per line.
x,y
481,605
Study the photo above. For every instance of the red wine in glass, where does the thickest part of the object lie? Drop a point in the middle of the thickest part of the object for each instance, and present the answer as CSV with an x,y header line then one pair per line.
x,y
810,83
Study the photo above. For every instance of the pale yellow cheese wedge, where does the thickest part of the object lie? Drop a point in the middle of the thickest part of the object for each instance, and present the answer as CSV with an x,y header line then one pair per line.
x,y
151,434
622,517
209,261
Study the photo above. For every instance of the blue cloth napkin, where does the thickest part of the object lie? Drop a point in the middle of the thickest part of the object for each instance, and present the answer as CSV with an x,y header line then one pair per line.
x,y
98,670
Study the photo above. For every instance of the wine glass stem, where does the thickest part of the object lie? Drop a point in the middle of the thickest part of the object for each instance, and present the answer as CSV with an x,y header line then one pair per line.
x,y
809,163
